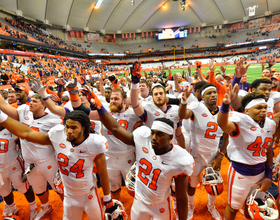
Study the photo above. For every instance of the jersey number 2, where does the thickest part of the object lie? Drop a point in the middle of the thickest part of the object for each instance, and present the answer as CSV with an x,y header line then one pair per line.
x,y
76,168
146,172
211,127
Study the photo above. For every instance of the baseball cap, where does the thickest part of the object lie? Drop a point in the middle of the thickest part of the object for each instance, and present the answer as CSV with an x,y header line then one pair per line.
x,y
275,77
229,75
22,89
122,79
273,70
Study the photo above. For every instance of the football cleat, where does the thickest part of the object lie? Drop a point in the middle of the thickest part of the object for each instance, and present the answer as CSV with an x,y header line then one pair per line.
x,y
43,212
262,205
212,181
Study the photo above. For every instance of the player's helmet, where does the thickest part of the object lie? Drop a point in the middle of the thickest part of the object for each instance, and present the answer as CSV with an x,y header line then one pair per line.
x,y
118,214
13,217
212,181
57,182
130,180
262,205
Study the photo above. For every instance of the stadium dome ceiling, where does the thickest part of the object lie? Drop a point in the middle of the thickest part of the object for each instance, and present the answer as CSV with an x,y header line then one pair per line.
x,y
122,16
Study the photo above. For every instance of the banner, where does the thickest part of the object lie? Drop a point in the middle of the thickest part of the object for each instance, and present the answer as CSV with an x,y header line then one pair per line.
x,y
236,26
275,19
77,34
134,35
108,38
82,34
273,27
93,37
257,23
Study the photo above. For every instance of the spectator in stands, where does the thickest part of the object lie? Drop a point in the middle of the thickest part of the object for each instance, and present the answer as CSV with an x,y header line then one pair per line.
x,y
4,78
227,79
266,73
5,95
275,83
219,78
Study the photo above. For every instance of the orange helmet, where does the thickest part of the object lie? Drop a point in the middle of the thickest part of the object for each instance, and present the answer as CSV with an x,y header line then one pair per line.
x,y
130,180
212,181
262,205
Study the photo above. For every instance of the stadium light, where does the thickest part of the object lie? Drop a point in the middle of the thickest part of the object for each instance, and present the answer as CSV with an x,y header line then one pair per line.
x,y
98,4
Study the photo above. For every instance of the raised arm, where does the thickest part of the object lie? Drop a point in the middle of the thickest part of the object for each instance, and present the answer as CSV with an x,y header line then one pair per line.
x,y
227,126
134,92
40,89
8,109
185,113
111,124
24,131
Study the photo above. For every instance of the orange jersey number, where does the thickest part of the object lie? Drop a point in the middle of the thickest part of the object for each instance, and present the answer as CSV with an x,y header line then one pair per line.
x,y
76,168
212,127
122,123
257,148
4,145
146,172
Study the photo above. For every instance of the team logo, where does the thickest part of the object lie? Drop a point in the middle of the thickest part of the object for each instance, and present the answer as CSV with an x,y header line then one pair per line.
x,y
162,210
49,167
204,115
111,113
90,197
106,145
262,130
145,150
62,146
154,157
253,128
26,118
72,150
129,161
157,114
14,168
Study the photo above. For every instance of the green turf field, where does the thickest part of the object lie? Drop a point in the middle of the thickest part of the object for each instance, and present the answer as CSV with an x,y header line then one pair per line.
x,y
254,70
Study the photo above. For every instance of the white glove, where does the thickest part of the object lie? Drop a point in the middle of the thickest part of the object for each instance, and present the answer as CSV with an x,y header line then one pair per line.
x,y
36,86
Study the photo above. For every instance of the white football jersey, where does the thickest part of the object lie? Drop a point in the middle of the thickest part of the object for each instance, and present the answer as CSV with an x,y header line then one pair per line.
x,y
127,120
275,96
154,173
270,108
149,98
31,152
249,145
173,90
205,132
8,148
76,162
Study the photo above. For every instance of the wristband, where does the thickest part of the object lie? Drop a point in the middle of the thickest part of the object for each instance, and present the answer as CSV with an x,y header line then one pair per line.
x,y
224,108
107,198
221,153
60,87
136,106
101,111
45,99
134,86
184,102
268,172
3,117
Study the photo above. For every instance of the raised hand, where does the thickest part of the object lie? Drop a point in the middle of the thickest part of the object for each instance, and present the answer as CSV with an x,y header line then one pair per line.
x,y
240,70
186,93
223,69
211,65
36,86
135,72
73,89
231,93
